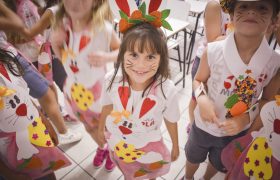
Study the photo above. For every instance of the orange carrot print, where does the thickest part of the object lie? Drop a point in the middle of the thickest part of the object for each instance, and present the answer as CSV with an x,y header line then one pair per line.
x,y
157,165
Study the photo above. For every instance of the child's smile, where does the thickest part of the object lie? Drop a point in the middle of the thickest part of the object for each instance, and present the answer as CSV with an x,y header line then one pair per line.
x,y
141,67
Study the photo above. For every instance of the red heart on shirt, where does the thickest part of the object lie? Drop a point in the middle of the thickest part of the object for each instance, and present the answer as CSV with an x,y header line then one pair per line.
x,y
124,94
84,42
276,126
147,105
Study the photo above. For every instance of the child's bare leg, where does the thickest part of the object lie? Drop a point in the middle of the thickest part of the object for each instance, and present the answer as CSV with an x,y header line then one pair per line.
x,y
210,171
190,170
49,104
93,133
53,88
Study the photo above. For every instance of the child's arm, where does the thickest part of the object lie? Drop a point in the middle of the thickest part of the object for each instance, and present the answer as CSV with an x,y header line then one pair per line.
x,y
40,26
173,133
98,59
9,21
8,174
212,21
106,110
58,38
206,106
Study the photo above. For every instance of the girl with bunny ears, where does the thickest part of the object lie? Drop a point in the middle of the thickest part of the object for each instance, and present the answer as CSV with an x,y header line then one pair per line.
x,y
85,42
136,99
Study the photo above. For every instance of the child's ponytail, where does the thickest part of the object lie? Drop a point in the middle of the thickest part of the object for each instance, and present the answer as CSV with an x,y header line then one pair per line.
x,y
9,59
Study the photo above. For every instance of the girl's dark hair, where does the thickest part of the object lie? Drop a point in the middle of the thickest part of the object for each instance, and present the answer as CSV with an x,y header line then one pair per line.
x,y
144,37
275,5
9,59
11,4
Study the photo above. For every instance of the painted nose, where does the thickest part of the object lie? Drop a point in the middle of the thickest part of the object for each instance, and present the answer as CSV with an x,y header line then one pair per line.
x,y
21,110
125,130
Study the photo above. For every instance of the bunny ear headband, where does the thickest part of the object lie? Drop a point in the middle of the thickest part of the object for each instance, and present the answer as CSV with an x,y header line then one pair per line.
x,y
130,15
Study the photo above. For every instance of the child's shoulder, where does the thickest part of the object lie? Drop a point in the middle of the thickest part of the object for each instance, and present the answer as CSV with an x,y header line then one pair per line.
x,y
167,87
117,78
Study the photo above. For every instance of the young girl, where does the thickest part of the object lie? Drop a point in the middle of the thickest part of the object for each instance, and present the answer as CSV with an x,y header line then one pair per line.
x,y
87,42
26,147
235,70
137,101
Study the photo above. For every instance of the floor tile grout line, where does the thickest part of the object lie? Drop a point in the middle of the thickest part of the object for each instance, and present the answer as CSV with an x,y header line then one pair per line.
x,y
179,172
86,172
68,172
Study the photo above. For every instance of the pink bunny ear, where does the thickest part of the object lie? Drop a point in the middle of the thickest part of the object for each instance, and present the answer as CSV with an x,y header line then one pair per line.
x,y
147,105
124,6
124,95
154,5
4,72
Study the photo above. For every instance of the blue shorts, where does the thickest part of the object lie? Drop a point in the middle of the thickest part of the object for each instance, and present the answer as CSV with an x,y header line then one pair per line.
x,y
37,84
200,144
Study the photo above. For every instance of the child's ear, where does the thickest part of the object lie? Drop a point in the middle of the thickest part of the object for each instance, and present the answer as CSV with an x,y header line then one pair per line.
x,y
274,25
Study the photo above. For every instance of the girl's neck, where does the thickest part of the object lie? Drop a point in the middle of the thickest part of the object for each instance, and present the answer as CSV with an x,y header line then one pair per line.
x,y
247,46
81,24
139,86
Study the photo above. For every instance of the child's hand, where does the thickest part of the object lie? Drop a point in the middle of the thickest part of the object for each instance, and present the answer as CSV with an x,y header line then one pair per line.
x,y
97,59
174,153
235,125
58,38
207,109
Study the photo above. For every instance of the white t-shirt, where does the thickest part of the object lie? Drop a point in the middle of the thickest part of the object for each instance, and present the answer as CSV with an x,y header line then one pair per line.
x,y
230,77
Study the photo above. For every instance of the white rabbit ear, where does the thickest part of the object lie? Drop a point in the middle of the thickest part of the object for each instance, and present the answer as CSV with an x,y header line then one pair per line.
x,y
155,5
126,6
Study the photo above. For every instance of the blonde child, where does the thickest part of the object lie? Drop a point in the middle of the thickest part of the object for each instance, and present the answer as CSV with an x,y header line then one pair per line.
x,y
85,42
235,70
